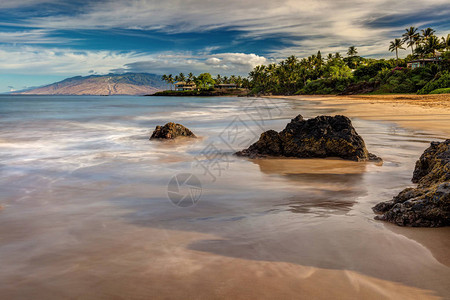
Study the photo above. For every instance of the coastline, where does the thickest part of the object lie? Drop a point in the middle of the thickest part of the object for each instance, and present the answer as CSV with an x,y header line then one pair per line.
x,y
429,113
418,112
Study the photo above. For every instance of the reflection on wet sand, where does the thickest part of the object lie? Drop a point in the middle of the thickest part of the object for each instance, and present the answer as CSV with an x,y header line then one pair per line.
x,y
160,263
325,186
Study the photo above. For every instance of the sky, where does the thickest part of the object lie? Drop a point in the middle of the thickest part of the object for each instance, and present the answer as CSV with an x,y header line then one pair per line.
x,y
43,41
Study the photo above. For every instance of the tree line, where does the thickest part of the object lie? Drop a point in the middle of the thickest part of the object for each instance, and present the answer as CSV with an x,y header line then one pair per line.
x,y
335,73
205,80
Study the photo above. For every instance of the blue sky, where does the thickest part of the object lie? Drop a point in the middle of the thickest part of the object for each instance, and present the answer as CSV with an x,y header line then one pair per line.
x,y
42,41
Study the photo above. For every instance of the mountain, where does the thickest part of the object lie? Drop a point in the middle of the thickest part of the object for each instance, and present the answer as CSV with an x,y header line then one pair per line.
x,y
111,84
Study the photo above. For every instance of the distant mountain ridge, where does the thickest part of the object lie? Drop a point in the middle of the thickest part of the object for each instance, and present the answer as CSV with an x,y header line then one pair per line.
x,y
110,84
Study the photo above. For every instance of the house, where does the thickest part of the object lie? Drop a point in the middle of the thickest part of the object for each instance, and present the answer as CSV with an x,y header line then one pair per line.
x,y
226,86
422,62
185,86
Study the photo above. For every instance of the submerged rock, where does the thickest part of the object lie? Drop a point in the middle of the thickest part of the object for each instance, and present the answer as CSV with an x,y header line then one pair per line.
x,y
171,131
323,136
428,205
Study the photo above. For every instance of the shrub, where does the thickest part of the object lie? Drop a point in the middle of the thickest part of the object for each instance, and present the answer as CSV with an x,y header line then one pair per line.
x,y
441,91
325,86
365,73
441,81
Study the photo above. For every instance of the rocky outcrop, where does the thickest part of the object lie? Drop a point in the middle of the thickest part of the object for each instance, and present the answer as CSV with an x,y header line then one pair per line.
x,y
171,131
427,205
323,136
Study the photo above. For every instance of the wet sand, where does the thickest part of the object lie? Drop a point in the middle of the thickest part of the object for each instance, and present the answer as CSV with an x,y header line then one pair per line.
x,y
98,224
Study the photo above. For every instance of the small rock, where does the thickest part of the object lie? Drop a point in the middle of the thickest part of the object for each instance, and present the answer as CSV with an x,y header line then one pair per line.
x,y
170,131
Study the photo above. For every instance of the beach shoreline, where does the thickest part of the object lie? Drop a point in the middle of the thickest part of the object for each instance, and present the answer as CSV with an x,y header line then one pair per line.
x,y
427,113
95,213
418,112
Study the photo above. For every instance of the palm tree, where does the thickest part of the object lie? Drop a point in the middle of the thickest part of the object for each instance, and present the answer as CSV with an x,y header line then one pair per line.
x,y
352,51
218,79
291,61
432,44
420,50
164,78
170,80
190,78
239,81
446,42
411,37
337,55
330,56
181,77
426,33
395,45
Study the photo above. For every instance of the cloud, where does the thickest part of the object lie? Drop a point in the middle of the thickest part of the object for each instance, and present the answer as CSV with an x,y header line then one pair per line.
x,y
305,25
223,63
57,61
22,3
348,21
213,61
37,36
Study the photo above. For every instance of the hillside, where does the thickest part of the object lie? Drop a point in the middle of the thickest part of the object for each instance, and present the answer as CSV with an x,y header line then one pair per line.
x,y
111,84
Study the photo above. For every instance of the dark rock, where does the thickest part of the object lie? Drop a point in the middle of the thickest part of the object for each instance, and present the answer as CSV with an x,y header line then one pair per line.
x,y
320,137
433,165
428,205
171,131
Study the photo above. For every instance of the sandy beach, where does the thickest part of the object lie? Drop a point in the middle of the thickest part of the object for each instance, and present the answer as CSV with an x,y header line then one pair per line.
x,y
87,217
421,112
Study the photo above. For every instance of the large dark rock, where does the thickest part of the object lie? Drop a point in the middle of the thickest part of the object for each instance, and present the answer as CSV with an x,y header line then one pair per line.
x,y
428,205
171,131
323,136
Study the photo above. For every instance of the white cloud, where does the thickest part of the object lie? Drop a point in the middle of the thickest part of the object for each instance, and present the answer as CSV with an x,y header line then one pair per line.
x,y
39,60
223,63
308,25
321,23
36,36
213,61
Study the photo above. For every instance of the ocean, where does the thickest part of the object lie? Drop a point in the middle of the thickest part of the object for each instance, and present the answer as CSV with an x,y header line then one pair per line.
x,y
93,209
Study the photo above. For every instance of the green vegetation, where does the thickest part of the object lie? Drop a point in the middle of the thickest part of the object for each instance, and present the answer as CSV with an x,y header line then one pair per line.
x,y
354,74
441,81
205,81
441,91
335,74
